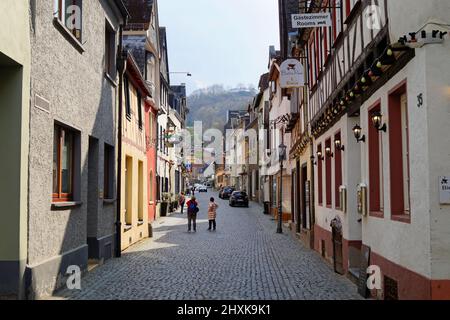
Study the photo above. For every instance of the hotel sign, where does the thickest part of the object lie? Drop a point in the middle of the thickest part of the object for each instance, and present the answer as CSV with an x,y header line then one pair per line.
x,y
292,74
444,188
311,20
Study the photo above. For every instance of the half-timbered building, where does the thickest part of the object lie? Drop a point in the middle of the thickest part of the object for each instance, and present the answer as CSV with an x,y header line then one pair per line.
x,y
378,99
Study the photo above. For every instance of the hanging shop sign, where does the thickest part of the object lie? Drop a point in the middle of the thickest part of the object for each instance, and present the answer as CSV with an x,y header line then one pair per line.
x,y
311,20
292,74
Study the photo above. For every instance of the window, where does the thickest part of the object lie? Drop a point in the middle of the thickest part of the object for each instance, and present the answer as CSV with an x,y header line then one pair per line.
x,y
328,174
334,19
311,63
128,191
63,168
317,54
110,50
150,70
157,137
141,191
399,152
337,172
163,140
150,129
320,177
375,161
69,13
108,179
139,107
161,137
158,188
127,98
151,182
339,13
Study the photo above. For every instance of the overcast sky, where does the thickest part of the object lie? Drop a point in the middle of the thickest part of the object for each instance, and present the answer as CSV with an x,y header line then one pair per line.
x,y
219,41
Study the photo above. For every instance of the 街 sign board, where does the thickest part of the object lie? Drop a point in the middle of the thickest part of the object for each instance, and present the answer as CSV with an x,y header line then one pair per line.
x,y
444,190
311,20
292,74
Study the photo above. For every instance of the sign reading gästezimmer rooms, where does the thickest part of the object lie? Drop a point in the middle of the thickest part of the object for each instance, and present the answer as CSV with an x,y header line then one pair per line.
x,y
311,20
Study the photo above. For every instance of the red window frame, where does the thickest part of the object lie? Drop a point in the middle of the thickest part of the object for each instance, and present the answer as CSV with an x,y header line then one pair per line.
x,y
328,175
320,176
311,73
348,7
375,180
318,53
60,196
398,212
337,171
334,17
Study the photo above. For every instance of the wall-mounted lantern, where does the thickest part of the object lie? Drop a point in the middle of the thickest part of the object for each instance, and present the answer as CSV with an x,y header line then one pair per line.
x,y
338,145
377,119
319,155
357,132
328,152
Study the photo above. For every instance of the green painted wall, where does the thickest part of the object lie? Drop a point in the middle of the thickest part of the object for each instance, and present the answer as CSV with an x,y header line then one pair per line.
x,y
15,56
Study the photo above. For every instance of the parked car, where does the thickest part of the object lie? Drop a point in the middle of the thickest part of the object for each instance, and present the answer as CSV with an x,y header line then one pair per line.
x,y
197,186
239,198
202,188
226,192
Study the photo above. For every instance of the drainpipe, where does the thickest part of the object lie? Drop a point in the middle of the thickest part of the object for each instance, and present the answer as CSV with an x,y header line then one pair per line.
x,y
121,67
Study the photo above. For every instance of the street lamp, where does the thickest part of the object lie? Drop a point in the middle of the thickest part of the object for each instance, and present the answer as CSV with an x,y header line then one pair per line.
x,y
377,119
357,130
282,157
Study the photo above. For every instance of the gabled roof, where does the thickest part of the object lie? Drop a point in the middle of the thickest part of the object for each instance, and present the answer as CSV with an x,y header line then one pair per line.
x,y
140,11
264,82
164,54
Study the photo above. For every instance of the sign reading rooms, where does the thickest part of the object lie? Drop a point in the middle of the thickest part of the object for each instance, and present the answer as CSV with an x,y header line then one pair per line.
x,y
311,20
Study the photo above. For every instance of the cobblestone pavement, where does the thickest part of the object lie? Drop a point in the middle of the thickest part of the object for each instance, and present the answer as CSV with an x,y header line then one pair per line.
x,y
244,259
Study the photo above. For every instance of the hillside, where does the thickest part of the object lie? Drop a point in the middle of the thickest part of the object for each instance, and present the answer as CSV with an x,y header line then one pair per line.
x,y
210,105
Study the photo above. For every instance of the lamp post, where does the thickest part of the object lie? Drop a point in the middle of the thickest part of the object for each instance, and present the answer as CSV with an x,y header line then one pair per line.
x,y
282,157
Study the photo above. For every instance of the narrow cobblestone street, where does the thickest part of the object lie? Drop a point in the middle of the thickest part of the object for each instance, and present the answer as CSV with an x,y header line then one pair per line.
x,y
243,259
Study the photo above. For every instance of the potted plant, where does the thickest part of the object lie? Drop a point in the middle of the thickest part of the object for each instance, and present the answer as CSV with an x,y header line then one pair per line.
x,y
164,203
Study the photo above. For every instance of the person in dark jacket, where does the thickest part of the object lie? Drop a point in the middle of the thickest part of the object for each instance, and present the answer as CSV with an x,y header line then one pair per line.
x,y
192,210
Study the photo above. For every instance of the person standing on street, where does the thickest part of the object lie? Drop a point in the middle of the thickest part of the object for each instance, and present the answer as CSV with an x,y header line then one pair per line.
x,y
192,210
212,214
181,201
